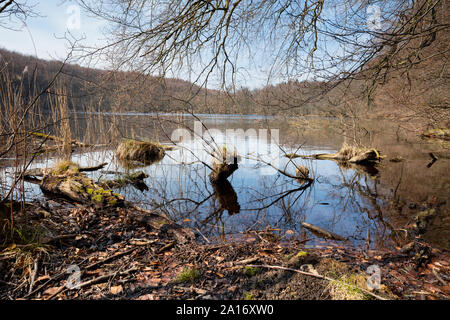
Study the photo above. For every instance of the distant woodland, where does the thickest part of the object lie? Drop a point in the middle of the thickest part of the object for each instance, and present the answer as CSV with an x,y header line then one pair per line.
x,y
387,87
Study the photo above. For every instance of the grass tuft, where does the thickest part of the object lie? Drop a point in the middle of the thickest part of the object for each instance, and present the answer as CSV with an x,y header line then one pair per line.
x,y
188,275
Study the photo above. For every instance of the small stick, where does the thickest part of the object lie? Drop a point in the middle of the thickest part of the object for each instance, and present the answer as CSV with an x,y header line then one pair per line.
x,y
33,277
93,281
96,264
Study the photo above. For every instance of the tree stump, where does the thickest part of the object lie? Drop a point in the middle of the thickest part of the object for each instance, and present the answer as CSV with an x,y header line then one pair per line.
x,y
222,170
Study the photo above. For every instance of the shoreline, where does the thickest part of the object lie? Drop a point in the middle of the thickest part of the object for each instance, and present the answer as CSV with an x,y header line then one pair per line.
x,y
130,253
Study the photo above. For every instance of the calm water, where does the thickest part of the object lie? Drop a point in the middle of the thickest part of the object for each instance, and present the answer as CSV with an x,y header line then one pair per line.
x,y
350,201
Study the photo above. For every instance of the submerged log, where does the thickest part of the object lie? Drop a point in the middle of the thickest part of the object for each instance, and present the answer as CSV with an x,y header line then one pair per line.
x,y
351,154
136,179
322,232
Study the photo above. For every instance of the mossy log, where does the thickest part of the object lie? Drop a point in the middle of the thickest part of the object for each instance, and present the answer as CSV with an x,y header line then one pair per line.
x,y
79,188
61,168
60,140
440,133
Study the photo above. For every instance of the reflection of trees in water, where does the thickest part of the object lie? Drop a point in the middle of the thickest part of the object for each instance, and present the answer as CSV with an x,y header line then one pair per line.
x,y
360,191
190,196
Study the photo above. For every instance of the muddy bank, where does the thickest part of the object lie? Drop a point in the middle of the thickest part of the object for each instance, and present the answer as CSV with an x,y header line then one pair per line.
x,y
64,251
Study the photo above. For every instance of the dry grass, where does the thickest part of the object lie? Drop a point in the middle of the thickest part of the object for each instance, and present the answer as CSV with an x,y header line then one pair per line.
x,y
352,154
65,166
143,151
346,288
347,152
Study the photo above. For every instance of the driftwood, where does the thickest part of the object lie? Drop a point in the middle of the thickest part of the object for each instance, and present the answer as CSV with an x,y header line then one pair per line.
x,y
322,232
350,154
39,172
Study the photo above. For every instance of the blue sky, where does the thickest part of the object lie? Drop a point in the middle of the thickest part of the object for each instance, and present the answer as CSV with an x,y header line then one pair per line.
x,y
40,35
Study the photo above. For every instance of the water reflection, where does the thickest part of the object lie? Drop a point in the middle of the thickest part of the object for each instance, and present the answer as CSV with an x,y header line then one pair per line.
x,y
362,203
226,196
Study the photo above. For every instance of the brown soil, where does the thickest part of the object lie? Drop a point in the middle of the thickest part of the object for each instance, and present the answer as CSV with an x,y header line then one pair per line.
x,y
129,253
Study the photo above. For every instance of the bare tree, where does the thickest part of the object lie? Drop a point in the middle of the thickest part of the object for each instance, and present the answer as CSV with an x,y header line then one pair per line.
x,y
13,12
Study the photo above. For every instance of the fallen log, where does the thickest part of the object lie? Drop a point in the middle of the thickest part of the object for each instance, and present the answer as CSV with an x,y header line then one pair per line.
x,y
62,166
350,154
79,188
66,180
322,232
57,139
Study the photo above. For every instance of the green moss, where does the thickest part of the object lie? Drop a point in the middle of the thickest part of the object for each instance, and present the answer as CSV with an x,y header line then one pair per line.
x,y
98,198
250,271
99,191
65,166
188,275
248,296
302,254
90,190
345,288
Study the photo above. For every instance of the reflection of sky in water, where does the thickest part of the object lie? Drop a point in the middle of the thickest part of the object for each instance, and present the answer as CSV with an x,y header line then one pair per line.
x,y
328,203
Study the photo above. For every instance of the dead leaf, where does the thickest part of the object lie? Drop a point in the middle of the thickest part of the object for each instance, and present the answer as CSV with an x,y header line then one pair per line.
x,y
146,297
51,291
116,289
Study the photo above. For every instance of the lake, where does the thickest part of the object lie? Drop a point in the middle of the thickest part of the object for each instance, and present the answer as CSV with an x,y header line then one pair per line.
x,y
367,205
